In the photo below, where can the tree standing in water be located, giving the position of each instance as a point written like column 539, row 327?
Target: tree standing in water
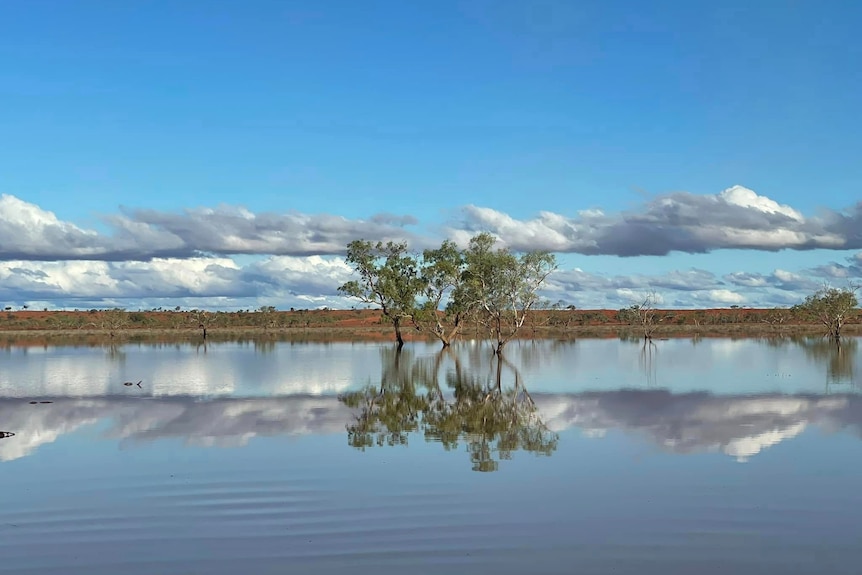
column 831, row 307
column 388, row 277
column 502, row 286
column 442, row 274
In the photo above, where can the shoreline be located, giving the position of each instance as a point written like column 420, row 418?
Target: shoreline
column 49, row 336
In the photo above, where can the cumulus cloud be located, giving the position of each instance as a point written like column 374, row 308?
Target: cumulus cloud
column 294, row 259
column 288, row 280
column 28, row 232
column 303, row 282
column 736, row 218
column 850, row 271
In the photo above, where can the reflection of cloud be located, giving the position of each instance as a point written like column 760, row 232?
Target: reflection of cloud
column 739, row 426
column 218, row 422
column 179, row 370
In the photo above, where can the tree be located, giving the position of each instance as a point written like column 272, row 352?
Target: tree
column 643, row 315
column 268, row 316
column 501, row 286
column 830, row 306
column 204, row 320
column 114, row 319
column 442, row 272
column 388, row 277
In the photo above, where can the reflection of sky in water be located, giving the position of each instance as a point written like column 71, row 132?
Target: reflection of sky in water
column 220, row 369
column 717, row 365
column 237, row 459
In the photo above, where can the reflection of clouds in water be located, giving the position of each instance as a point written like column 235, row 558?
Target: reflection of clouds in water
column 36, row 425
column 738, row 426
column 688, row 423
column 221, row 422
column 182, row 369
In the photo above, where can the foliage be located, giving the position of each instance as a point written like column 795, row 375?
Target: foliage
column 389, row 278
column 442, row 274
column 501, row 286
column 830, row 307
column 492, row 285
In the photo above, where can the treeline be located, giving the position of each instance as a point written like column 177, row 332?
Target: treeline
column 119, row 319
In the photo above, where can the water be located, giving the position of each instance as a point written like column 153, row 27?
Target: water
column 595, row 456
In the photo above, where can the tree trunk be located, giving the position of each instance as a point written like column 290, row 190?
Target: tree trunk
column 396, row 322
column 498, row 351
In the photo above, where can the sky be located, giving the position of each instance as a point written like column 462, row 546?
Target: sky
column 221, row 155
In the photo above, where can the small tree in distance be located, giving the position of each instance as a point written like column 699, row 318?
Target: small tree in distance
column 831, row 307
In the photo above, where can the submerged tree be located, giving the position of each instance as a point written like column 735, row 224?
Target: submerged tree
column 501, row 286
column 389, row 278
column 831, row 307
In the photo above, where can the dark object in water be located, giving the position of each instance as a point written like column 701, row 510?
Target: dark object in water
column 46, row 402
column 33, row 402
column 129, row 383
column 4, row 434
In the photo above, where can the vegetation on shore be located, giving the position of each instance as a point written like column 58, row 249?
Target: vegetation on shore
column 369, row 323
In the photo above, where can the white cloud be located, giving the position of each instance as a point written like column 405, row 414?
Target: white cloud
column 736, row 218
column 725, row 296
column 150, row 257
column 740, row 196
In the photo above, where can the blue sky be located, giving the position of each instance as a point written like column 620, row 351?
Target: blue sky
column 353, row 109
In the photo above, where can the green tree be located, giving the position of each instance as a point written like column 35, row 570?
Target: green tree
column 442, row 273
column 388, row 278
column 831, row 307
column 501, row 286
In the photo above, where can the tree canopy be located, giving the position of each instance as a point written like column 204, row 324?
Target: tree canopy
column 491, row 285
column 388, row 277
column 831, row 307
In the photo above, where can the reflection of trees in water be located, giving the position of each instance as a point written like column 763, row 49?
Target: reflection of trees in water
column 492, row 419
column 116, row 353
column 839, row 357
column 532, row 353
column 648, row 362
column 264, row 346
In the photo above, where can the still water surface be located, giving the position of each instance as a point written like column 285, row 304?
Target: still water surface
column 588, row 456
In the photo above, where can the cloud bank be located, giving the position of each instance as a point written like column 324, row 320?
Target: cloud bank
column 145, row 258
column 736, row 218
